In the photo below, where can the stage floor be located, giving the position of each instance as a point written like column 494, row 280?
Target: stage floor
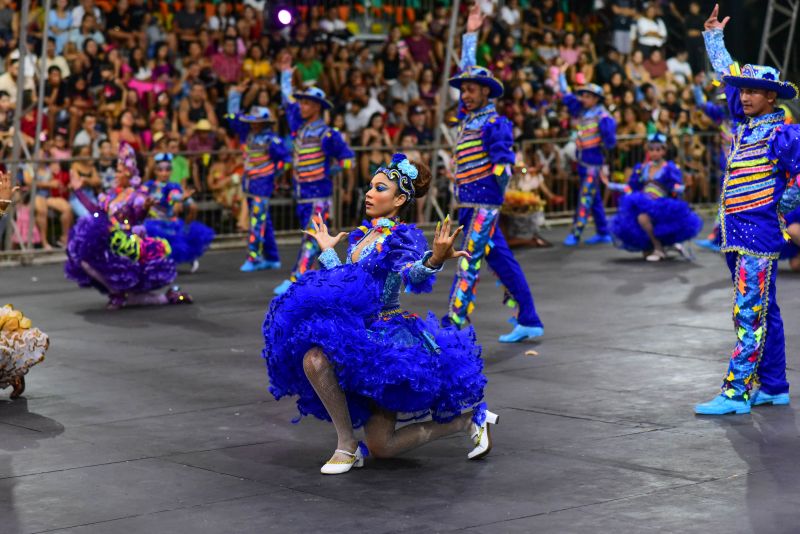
column 158, row 420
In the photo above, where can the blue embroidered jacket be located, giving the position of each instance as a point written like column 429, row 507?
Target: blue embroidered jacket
column 764, row 158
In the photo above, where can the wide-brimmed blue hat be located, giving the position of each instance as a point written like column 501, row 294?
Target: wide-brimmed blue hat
column 481, row 76
column 592, row 89
column 317, row 95
column 257, row 114
column 657, row 138
column 764, row 78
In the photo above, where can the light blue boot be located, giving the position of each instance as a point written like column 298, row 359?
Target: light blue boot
column 761, row 397
column 599, row 239
column 571, row 241
column 521, row 333
column 283, row 287
column 721, row 405
column 249, row 266
column 707, row 244
column 267, row 265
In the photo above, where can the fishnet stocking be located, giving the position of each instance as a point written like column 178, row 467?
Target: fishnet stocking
column 320, row 373
column 384, row 441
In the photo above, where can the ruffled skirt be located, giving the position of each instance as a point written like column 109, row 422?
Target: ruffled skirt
column 21, row 346
column 393, row 360
column 90, row 241
column 187, row 241
column 673, row 222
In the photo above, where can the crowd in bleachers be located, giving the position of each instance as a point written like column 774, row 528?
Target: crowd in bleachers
column 156, row 74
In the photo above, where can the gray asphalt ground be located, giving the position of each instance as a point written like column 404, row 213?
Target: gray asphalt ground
column 158, row 420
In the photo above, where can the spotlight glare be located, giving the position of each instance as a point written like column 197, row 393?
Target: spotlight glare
column 284, row 17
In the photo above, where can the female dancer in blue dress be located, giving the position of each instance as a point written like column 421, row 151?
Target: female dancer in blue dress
column 111, row 250
column 188, row 240
column 339, row 340
column 651, row 216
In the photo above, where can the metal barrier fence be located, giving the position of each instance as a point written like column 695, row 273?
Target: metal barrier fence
column 219, row 202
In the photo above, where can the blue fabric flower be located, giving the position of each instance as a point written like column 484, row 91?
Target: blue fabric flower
column 408, row 169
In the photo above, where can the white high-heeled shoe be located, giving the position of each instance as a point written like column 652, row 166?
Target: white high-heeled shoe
column 481, row 437
column 343, row 466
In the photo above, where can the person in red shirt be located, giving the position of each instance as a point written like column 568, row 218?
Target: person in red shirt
column 227, row 65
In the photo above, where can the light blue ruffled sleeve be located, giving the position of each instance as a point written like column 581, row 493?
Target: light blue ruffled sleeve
column 469, row 50
column 417, row 278
column 329, row 259
column 720, row 59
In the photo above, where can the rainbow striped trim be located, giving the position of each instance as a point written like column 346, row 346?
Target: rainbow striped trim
column 472, row 160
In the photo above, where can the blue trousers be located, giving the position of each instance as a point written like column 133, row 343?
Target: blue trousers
column 309, row 250
column 589, row 202
column 482, row 238
column 760, row 352
column 261, row 244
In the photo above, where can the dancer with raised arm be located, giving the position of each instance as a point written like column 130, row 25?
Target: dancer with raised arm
column 760, row 185
column 339, row 341
column 483, row 157
column 318, row 150
column 265, row 157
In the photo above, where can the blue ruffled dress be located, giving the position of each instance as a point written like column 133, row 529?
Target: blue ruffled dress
column 382, row 355
column 188, row 241
column 673, row 218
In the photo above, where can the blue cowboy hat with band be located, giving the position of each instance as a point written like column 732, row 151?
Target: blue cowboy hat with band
column 317, row 95
column 764, row 78
column 657, row 138
column 257, row 114
column 592, row 89
column 481, row 76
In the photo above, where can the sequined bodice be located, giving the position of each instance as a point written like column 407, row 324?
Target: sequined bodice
column 127, row 207
column 368, row 256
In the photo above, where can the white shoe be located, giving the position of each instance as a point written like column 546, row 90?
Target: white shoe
column 481, row 437
column 195, row 266
column 340, row 467
column 657, row 255
column 684, row 250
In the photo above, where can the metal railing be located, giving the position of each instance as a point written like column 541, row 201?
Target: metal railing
column 224, row 208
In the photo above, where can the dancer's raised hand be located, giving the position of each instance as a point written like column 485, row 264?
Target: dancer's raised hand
column 475, row 18
column 443, row 240
column 320, row 234
column 713, row 23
